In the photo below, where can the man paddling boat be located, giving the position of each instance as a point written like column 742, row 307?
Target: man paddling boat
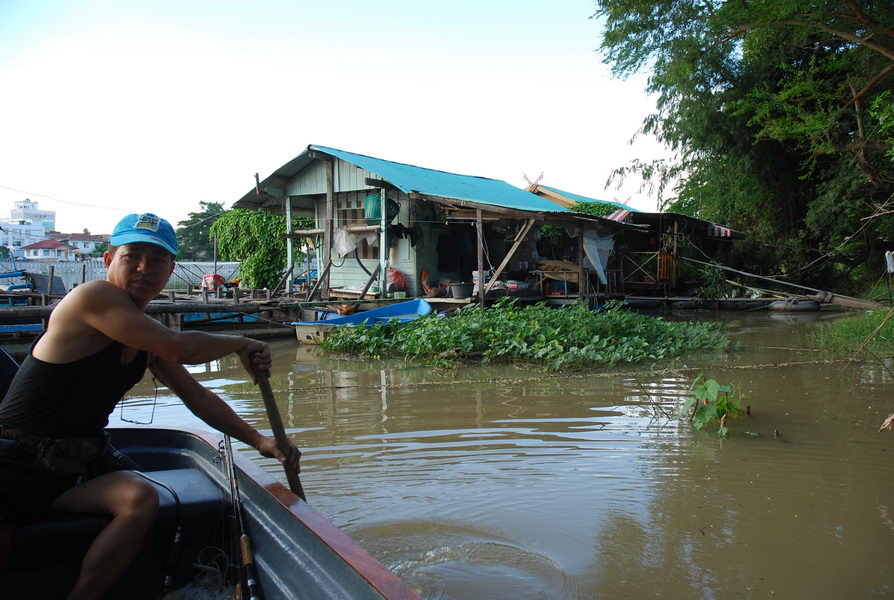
column 97, row 345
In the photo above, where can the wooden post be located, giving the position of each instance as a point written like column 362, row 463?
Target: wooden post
column 205, row 301
column 479, row 225
column 290, row 259
column 84, row 273
column 383, row 246
column 581, row 272
column 171, row 296
column 328, row 226
column 675, row 267
column 50, row 280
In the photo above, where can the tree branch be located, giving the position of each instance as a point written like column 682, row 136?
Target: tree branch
column 862, row 17
column 865, row 89
column 865, row 42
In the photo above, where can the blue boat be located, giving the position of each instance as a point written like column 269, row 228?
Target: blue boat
column 313, row 332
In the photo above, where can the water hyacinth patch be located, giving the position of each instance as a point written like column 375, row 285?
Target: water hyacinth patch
column 570, row 337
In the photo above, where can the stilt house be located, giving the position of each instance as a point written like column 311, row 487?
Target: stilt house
column 437, row 227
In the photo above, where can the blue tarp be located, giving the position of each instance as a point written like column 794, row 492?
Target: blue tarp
column 481, row 190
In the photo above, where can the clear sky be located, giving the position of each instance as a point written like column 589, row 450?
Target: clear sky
column 117, row 106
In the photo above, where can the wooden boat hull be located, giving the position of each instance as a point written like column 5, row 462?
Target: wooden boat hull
column 297, row 551
column 314, row 332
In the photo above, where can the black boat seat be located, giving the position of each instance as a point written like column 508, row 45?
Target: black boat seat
column 62, row 538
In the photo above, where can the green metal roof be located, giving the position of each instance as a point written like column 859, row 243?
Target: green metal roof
column 480, row 190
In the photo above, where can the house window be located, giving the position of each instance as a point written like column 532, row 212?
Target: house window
column 350, row 211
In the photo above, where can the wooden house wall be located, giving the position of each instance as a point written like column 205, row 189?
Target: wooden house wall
column 312, row 179
column 346, row 273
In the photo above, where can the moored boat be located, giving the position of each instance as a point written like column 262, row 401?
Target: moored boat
column 313, row 332
column 298, row 553
column 794, row 305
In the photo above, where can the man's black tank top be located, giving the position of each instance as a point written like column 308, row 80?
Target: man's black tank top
column 69, row 399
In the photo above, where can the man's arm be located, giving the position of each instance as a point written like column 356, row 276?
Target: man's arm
column 108, row 310
column 209, row 407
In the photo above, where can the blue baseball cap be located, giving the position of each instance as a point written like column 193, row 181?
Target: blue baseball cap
column 147, row 228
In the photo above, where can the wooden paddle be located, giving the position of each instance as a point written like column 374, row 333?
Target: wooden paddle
column 279, row 432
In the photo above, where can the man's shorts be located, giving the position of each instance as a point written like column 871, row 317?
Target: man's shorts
column 26, row 488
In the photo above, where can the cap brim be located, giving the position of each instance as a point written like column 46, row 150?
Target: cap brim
column 140, row 238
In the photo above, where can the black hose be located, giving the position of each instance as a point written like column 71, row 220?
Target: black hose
column 359, row 262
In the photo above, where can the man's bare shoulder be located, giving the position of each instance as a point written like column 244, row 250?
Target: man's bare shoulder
column 98, row 293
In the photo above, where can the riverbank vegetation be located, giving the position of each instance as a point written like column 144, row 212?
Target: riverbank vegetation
column 869, row 333
column 573, row 337
column 779, row 114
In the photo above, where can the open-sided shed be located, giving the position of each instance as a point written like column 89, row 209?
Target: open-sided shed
column 646, row 258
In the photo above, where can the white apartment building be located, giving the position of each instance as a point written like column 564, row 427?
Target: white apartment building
column 27, row 211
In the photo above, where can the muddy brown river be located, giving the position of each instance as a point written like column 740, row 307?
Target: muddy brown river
column 509, row 483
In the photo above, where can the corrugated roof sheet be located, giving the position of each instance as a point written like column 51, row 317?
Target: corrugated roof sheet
column 481, row 190
column 579, row 198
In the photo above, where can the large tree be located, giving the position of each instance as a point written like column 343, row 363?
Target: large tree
column 193, row 233
column 766, row 104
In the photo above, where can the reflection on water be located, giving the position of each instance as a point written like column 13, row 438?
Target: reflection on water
column 500, row 482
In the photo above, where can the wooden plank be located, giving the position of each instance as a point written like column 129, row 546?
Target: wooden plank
column 381, row 183
column 372, row 278
column 518, row 240
column 318, row 284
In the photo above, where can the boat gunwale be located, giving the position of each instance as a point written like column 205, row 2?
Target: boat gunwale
column 379, row 577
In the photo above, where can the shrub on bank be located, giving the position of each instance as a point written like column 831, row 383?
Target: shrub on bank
column 572, row 336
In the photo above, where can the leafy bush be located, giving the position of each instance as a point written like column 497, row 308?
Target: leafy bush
column 570, row 337
column 713, row 285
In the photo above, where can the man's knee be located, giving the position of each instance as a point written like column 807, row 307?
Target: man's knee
column 136, row 498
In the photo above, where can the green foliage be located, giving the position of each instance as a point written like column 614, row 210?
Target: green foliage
column 100, row 249
column 777, row 115
column 712, row 403
column 713, row 285
column 597, row 209
column 193, row 234
column 849, row 333
column 553, row 238
column 571, row 337
column 255, row 239
column 883, row 111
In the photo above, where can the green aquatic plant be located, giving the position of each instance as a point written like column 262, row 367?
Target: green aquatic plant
column 570, row 337
column 711, row 402
column 869, row 332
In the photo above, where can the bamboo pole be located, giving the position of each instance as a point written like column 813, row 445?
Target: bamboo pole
column 819, row 295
